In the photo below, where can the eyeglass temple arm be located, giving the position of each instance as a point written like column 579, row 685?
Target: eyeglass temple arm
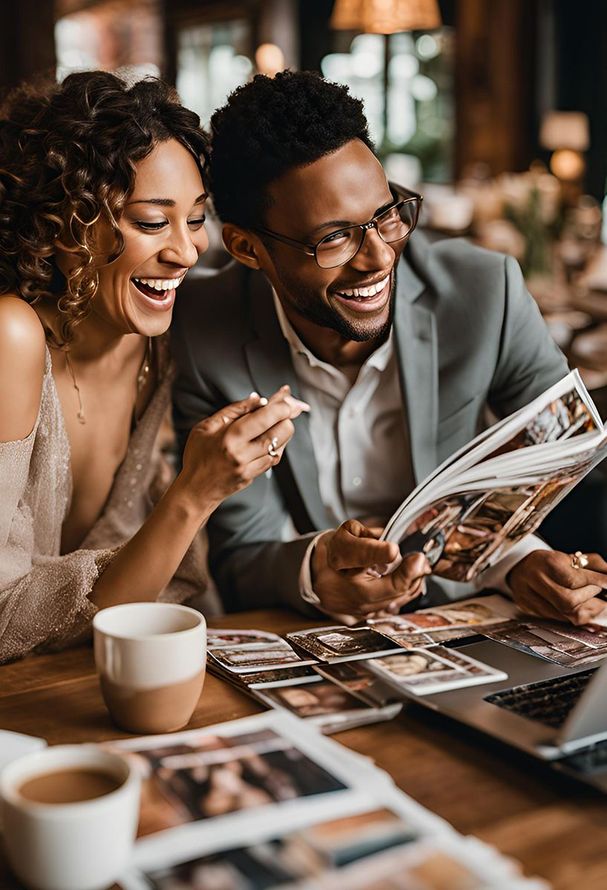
column 306, row 248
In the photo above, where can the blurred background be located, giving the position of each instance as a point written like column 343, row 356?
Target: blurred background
column 494, row 109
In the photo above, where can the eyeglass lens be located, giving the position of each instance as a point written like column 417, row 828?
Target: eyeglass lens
column 393, row 225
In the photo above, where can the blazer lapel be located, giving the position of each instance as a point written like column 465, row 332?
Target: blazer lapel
column 270, row 365
column 416, row 343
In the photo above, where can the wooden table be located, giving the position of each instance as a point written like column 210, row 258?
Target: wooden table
column 555, row 827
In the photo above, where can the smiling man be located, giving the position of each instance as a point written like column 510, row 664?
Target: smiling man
column 397, row 344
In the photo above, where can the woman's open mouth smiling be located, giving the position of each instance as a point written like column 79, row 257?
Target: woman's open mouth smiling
column 158, row 293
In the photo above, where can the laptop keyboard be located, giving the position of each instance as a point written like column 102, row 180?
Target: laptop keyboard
column 548, row 701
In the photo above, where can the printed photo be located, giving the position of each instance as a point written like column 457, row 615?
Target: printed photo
column 218, row 775
column 255, row 656
column 413, row 668
column 465, row 532
column 333, row 643
column 301, row 855
column 557, row 646
column 401, row 632
column 356, row 677
column 279, row 676
column 466, row 613
column 312, row 699
column 218, row 638
column 419, row 866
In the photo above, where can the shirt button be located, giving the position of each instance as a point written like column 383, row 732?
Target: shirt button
column 356, row 481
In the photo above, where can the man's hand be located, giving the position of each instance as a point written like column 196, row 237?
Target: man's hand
column 545, row 583
column 344, row 575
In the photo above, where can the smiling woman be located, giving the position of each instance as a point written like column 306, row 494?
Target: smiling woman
column 101, row 216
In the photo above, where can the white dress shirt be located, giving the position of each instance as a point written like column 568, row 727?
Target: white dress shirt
column 362, row 450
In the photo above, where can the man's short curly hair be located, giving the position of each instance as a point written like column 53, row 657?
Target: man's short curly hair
column 68, row 156
column 271, row 125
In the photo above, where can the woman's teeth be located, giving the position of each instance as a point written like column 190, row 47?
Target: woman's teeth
column 158, row 287
column 362, row 293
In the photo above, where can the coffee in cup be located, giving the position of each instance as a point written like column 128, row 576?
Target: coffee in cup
column 70, row 817
column 151, row 661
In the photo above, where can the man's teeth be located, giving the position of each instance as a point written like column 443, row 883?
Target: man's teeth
column 366, row 291
column 160, row 284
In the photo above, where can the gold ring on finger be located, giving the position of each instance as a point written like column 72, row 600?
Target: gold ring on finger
column 272, row 445
column 579, row 560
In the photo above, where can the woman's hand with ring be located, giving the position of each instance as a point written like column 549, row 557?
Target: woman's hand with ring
column 226, row 451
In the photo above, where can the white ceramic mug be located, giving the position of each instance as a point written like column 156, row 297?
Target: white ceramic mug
column 70, row 846
column 151, row 660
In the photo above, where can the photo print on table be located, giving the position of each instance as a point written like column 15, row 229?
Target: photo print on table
column 357, row 678
column 550, row 641
column 218, row 638
column 313, row 699
column 256, row 656
column 339, row 643
column 470, row 613
column 301, row 855
column 425, row 671
column 212, row 775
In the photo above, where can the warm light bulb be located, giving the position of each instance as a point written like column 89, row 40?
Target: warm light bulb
column 269, row 59
column 567, row 164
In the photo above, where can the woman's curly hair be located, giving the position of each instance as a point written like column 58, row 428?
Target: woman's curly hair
column 68, row 155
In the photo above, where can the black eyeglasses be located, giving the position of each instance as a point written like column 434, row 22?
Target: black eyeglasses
column 394, row 223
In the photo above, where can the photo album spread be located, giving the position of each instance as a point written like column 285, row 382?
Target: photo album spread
column 500, row 486
column 267, row 802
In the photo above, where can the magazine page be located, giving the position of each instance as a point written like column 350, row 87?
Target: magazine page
column 464, row 532
column 550, row 422
column 377, row 847
column 303, row 812
column 267, row 802
column 200, row 787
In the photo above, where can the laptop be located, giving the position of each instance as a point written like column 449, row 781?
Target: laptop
column 554, row 713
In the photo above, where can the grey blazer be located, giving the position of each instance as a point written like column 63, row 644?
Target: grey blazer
column 468, row 335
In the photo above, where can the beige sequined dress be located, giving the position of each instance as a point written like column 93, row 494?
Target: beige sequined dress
column 44, row 596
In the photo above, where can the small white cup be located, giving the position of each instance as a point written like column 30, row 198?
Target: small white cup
column 151, row 660
column 69, row 846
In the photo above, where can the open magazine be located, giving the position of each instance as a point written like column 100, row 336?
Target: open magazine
column 266, row 802
column 498, row 488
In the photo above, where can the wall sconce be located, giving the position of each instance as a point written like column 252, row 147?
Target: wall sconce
column 566, row 134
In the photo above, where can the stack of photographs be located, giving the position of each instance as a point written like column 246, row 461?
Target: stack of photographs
column 553, row 641
column 248, row 651
column 459, row 621
column 339, row 677
column 267, row 668
column 337, row 643
column 266, row 802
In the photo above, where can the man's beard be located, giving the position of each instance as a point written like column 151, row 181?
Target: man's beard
column 320, row 313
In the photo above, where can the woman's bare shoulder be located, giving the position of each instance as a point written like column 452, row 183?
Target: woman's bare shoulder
column 22, row 363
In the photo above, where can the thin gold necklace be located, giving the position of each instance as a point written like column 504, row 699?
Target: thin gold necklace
column 142, row 376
